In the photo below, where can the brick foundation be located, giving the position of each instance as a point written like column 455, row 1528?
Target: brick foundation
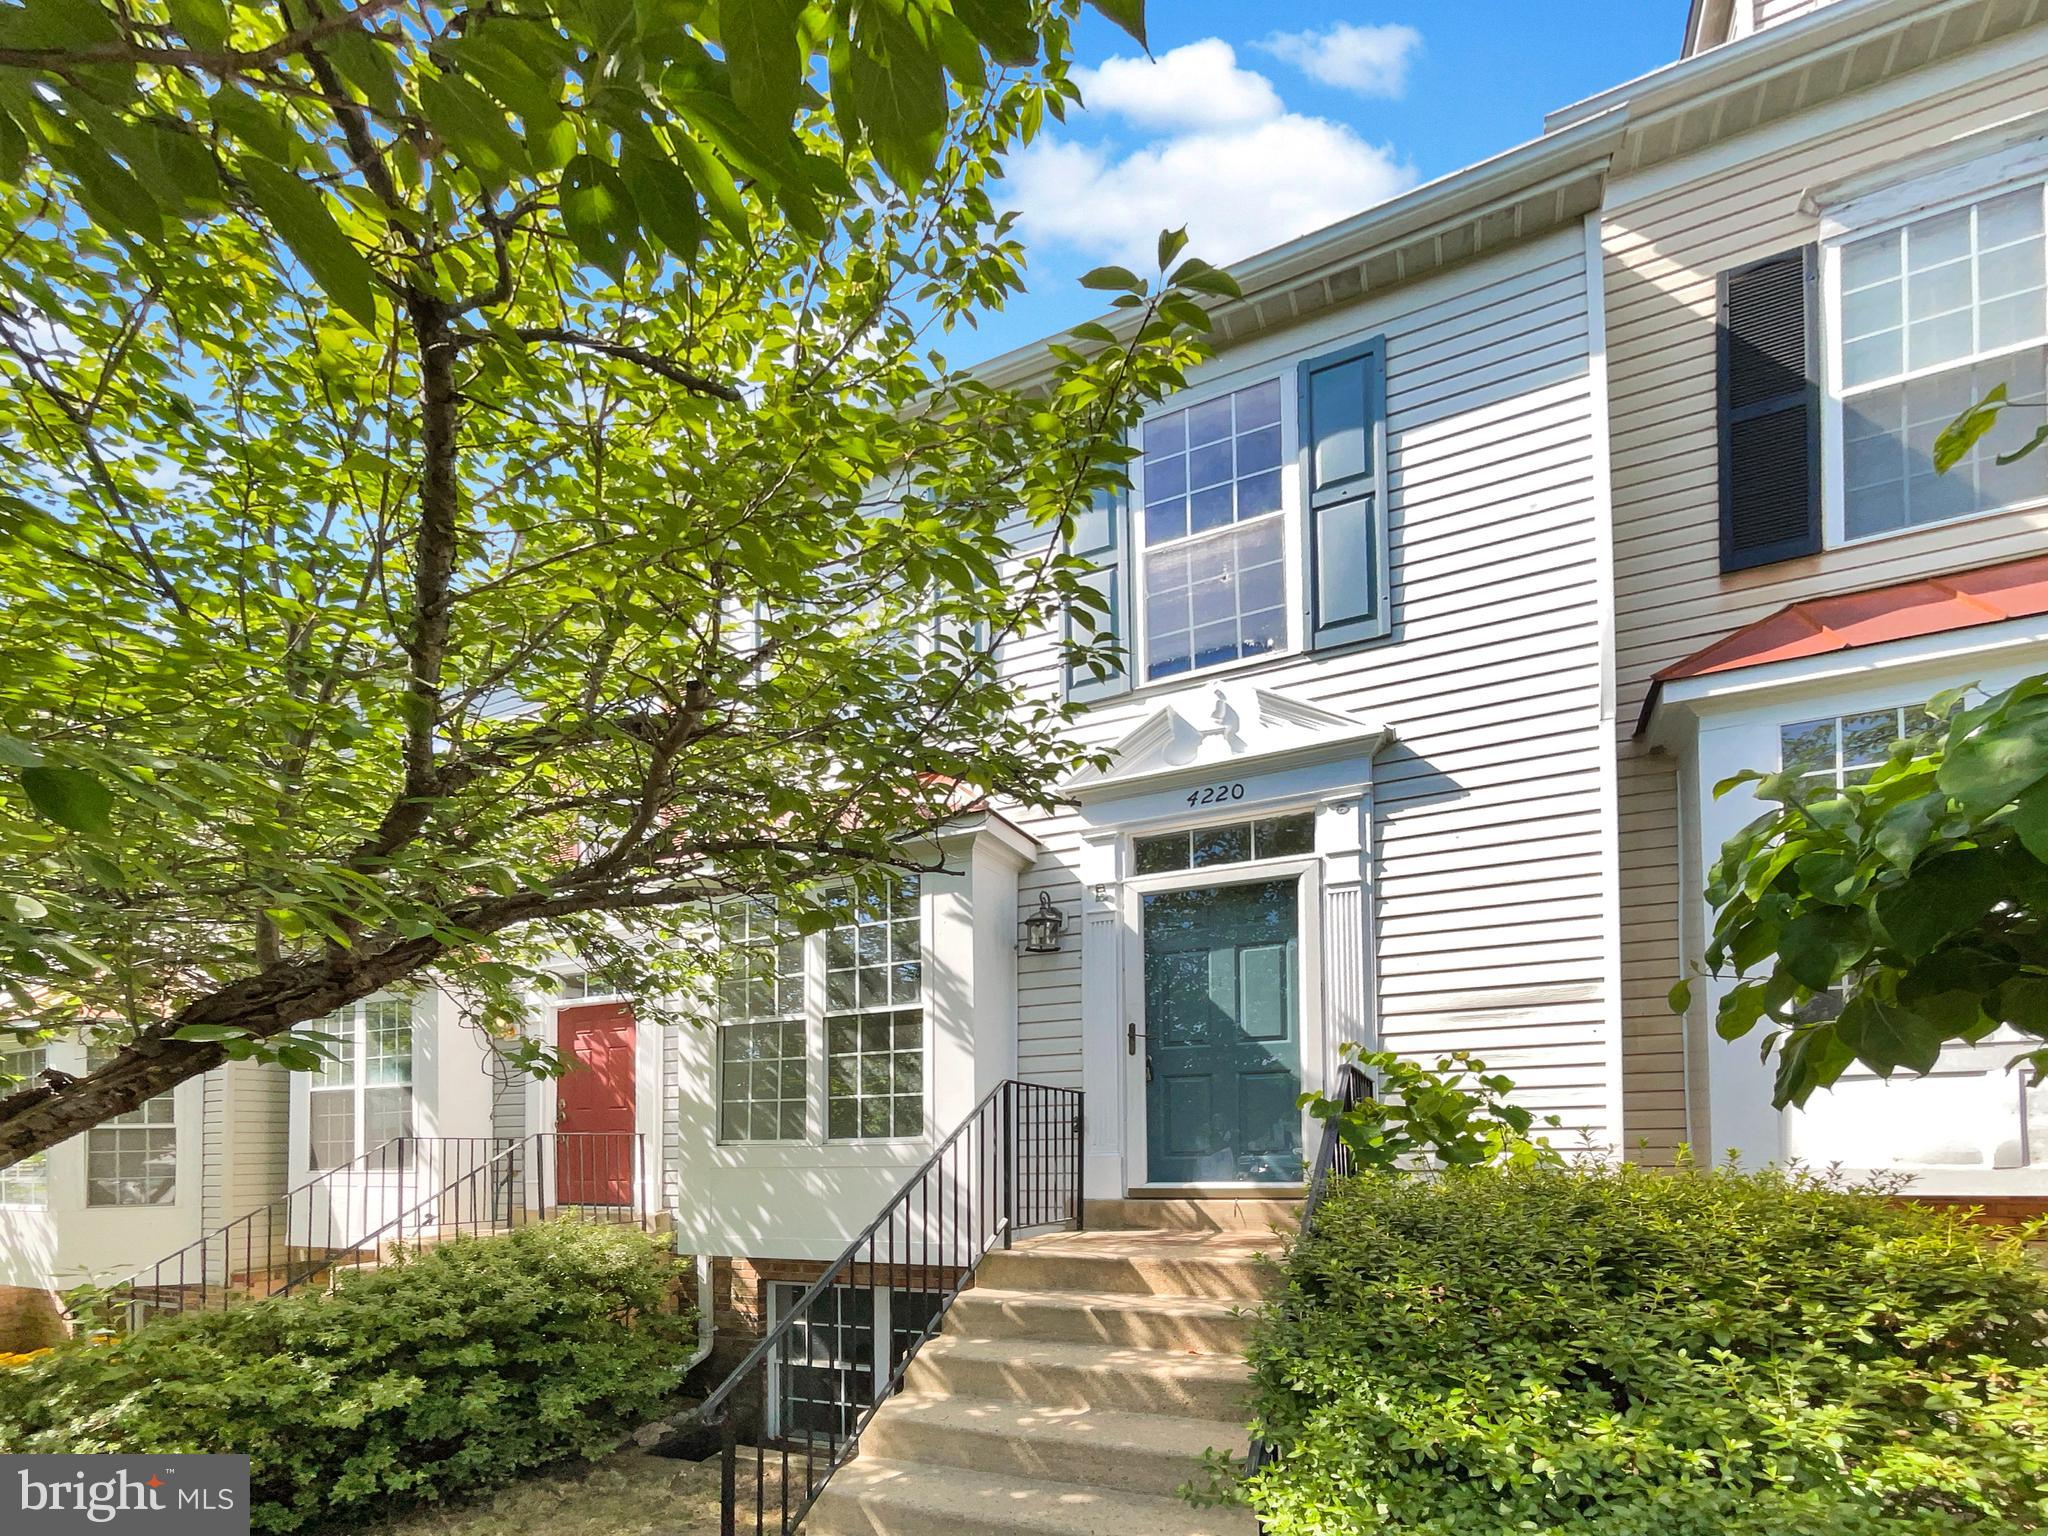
column 29, row 1319
column 1992, row 1210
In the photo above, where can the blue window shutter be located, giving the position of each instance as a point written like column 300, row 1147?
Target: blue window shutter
column 1102, row 534
column 1344, row 494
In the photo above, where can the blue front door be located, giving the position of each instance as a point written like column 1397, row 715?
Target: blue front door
column 1222, row 983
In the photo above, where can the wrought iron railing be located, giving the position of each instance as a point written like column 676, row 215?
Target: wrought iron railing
column 410, row 1190
column 1333, row 1160
column 803, row 1395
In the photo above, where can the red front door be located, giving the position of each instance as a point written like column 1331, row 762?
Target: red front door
column 594, row 1105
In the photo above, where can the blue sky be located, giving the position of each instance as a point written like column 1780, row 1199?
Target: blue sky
column 1258, row 120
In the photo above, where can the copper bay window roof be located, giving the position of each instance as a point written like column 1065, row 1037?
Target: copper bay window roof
column 1904, row 610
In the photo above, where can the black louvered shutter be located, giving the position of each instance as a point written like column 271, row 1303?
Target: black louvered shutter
column 1770, row 410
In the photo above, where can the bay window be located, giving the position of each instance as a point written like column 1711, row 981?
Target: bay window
column 25, row 1183
column 362, row 1097
column 1930, row 317
column 132, row 1158
column 850, row 997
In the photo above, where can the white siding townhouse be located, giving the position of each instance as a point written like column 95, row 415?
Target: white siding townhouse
column 1510, row 515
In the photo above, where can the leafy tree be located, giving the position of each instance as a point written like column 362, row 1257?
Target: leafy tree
column 481, row 476
column 1879, row 921
column 1453, row 1115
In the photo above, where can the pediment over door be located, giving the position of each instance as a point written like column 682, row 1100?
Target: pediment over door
column 1227, row 732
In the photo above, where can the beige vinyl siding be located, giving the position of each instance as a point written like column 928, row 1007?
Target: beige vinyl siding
column 1663, row 252
column 1492, row 923
column 1769, row 13
column 243, row 1139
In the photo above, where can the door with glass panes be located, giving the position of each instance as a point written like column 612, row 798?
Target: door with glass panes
column 1221, row 914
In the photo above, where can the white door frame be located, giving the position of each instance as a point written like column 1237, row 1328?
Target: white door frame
column 1307, row 872
column 542, row 1094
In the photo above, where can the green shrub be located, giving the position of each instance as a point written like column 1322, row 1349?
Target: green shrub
column 1636, row 1353
column 452, row 1371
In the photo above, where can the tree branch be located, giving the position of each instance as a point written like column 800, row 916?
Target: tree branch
column 675, row 373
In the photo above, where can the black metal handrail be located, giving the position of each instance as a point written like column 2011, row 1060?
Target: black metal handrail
column 416, row 1188
column 1333, row 1160
column 1012, row 1165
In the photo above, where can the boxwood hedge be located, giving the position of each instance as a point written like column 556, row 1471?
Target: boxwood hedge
column 1636, row 1353
column 452, row 1371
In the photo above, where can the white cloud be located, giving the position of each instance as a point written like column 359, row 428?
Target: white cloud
column 1196, row 86
column 1239, row 190
column 1371, row 60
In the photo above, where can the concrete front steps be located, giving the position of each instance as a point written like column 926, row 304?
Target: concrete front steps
column 1075, row 1387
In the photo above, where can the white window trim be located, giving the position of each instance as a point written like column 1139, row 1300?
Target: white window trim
column 1879, row 213
column 359, row 1045
column 817, row 1066
column 1286, row 375
column 39, row 1161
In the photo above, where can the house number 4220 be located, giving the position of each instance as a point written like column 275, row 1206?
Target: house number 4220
column 1215, row 794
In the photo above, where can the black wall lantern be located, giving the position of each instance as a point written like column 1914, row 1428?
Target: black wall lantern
column 1042, row 928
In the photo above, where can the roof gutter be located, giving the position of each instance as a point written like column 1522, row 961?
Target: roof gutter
column 1504, row 176
column 1791, row 44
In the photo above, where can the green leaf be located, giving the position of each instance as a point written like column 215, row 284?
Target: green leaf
column 1903, row 831
column 2029, row 446
column 665, row 200
column 1886, row 1035
column 22, row 909
column 1819, row 944
column 899, row 93
column 202, row 23
column 1171, row 243
column 764, row 57
column 1113, row 278
column 209, row 1033
column 247, row 123
column 1940, row 898
column 1962, row 434
column 1814, row 1057
column 16, row 753
column 1203, row 278
column 1679, row 998
column 70, row 797
column 366, row 64
column 2030, row 820
column 1128, row 14
column 1003, row 27
column 597, row 212
column 299, row 215
column 1991, row 768
column 535, row 98
column 474, row 127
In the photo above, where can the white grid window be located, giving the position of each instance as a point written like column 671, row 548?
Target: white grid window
column 28, row 1181
column 874, row 1028
column 1932, row 316
column 1844, row 749
column 763, row 1081
column 1214, row 573
column 132, row 1158
column 362, row 1098
column 867, row 969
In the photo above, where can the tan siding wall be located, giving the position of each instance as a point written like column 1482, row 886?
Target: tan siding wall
column 244, row 1140
column 1488, row 931
column 1663, row 252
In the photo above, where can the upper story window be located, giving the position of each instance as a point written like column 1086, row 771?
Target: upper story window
column 362, row 1097
column 1930, row 316
column 1215, row 583
column 1258, row 526
column 132, row 1158
column 26, row 1182
column 850, row 997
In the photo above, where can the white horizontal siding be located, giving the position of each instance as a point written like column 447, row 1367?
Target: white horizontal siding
column 1490, row 921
